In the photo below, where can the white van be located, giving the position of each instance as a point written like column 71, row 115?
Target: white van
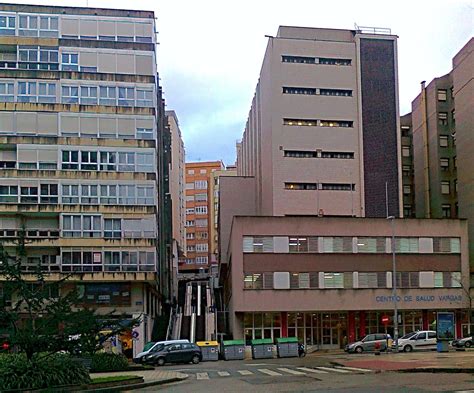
column 424, row 339
column 152, row 346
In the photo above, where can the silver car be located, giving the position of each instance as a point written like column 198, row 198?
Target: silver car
column 369, row 343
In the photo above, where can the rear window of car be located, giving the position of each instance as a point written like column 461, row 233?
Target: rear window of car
column 380, row 337
column 431, row 334
column 187, row 346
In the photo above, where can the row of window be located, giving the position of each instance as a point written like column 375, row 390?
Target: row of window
column 347, row 244
column 197, row 235
column 199, row 247
column 318, row 154
column 108, row 161
column 46, row 92
column 318, row 123
column 199, row 260
column 197, row 210
column 196, row 197
column 200, row 223
column 34, row 25
column 197, row 185
column 316, row 91
column 84, row 194
column 315, row 60
column 320, row 186
column 350, row 280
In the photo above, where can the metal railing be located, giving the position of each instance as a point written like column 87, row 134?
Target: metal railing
column 372, row 30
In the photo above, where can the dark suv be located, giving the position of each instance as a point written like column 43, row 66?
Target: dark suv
column 175, row 353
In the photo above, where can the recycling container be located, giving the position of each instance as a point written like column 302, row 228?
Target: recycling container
column 262, row 348
column 233, row 349
column 287, row 347
column 209, row 350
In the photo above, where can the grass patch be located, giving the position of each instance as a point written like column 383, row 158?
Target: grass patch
column 116, row 378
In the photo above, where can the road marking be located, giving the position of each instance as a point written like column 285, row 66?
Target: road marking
column 202, row 376
column 223, row 373
column 333, row 369
column 269, row 372
column 312, row 370
column 245, row 372
column 365, row 370
column 464, row 391
column 290, row 371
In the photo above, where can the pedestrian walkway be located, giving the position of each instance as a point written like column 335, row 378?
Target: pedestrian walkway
column 159, row 376
column 279, row 372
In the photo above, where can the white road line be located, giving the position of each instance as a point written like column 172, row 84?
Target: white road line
column 223, row 373
column 333, row 369
column 312, row 370
column 290, row 371
column 202, row 376
column 245, row 372
column 269, row 372
column 365, row 370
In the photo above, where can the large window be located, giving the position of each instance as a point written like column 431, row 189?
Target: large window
column 49, row 193
column 333, row 280
column 28, row 194
column 70, row 94
column 82, row 226
column 89, row 95
column 258, row 244
column 126, row 96
column 303, row 244
column 70, row 62
column 144, row 97
column 70, row 159
column 7, row 92
column 408, row 280
column 406, row 245
column 113, row 228
column 27, row 92
column 89, row 194
column 107, row 95
column 108, row 194
column 109, row 293
column 7, row 25
column 70, row 194
column 372, row 280
column 8, row 194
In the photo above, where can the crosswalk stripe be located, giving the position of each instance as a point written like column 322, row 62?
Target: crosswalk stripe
column 269, row 372
column 312, row 370
column 245, row 372
column 202, row 376
column 338, row 370
column 365, row 370
column 223, row 373
column 290, row 371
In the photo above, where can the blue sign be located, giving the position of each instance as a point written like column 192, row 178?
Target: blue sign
column 445, row 327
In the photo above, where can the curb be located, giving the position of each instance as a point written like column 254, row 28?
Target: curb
column 140, row 385
column 436, row 370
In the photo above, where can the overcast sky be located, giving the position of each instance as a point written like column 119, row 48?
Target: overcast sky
column 210, row 52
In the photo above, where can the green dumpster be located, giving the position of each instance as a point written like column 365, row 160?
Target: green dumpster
column 233, row 349
column 262, row 348
column 287, row 347
column 209, row 350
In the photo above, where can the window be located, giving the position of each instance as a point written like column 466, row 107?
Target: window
column 113, row 228
column 443, row 118
column 335, row 123
column 337, row 244
column 144, row 133
column 445, row 189
column 405, row 131
column 301, row 186
column 26, row 91
column 145, row 195
column 7, row 25
column 28, row 194
column 47, row 92
column 299, row 90
column 89, row 194
column 200, row 197
column 190, row 210
column 108, row 194
column 329, row 61
column 8, row 194
column 335, row 92
column 144, row 97
column 91, row 226
column 190, row 171
column 298, row 59
column 253, row 281
column 126, row 194
column 369, row 280
column 406, row 189
column 89, row 95
column 70, row 194
column 303, row 244
column 407, row 211
column 408, row 280
column 28, row 26
column 70, row 94
column 446, row 245
column 89, row 160
column 201, row 210
column 108, row 161
column 446, row 209
column 126, row 162
column 337, row 187
column 189, row 223
column 333, row 280
column 300, row 122
column 371, row 244
column 48, row 58
column 7, row 92
column 107, row 95
column 444, row 163
column 145, row 162
column 442, row 94
column 201, row 247
column 201, row 223
column 300, row 154
column 48, row 26
column 336, row 154
column 126, row 96
column 406, row 245
column 258, row 244
column 406, row 151
column 48, row 193
column 200, row 260
column 70, row 62
column 112, row 261
column 406, row 170
column 200, row 184
column 202, row 235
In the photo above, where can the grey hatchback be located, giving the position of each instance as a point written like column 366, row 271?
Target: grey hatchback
column 371, row 342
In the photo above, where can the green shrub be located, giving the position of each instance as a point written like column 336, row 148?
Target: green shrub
column 103, row 362
column 41, row 372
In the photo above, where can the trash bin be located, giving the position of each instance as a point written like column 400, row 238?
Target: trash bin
column 287, row 347
column 209, row 350
column 262, row 348
column 233, row 349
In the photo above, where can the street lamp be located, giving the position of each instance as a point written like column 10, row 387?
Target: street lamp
column 394, row 285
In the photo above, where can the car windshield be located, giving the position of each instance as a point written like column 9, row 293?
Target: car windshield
column 408, row 335
column 148, row 346
column 158, row 348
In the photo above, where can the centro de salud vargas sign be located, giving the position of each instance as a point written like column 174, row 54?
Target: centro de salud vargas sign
column 420, row 299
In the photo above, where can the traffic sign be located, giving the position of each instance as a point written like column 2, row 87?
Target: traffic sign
column 385, row 319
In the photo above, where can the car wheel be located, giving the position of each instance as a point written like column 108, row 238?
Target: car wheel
column 408, row 348
column 195, row 359
column 359, row 349
column 468, row 344
column 160, row 362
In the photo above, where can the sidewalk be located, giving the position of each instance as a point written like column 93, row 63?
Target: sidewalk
column 150, row 377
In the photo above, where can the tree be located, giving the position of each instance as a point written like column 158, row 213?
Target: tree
column 41, row 317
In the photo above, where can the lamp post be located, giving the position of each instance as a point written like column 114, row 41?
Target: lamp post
column 394, row 285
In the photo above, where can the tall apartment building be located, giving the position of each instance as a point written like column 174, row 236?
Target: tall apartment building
column 198, row 216
column 322, row 133
column 408, row 183
column 177, row 184
column 83, row 153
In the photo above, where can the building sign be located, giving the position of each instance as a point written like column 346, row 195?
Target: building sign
column 445, row 326
column 420, row 299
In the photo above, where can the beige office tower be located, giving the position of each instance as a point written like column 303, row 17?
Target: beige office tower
column 80, row 140
column 322, row 133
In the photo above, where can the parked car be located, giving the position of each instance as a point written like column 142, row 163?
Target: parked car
column 369, row 343
column 465, row 342
column 154, row 346
column 424, row 339
column 174, row 353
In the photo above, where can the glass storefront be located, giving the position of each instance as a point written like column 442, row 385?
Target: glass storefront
column 262, row 325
